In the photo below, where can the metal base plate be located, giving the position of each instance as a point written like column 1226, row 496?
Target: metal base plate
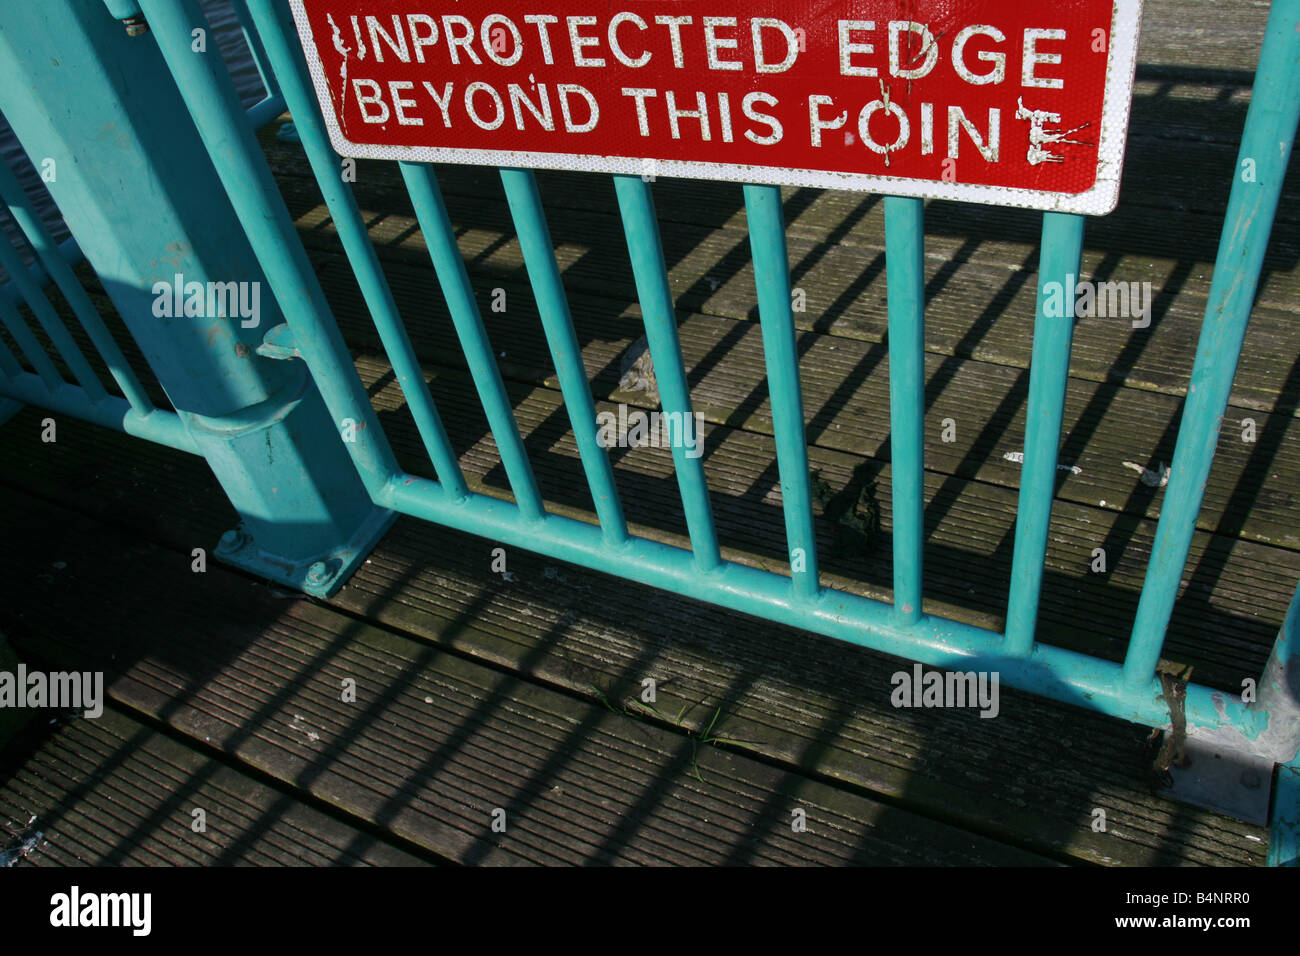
column 320, row 575
column 1226, row 781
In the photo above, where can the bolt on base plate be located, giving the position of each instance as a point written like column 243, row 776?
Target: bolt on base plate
column 320, row 575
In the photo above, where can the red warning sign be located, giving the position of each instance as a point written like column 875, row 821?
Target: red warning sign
column 995, row 101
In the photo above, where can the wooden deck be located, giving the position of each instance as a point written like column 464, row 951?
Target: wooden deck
column 477, row 692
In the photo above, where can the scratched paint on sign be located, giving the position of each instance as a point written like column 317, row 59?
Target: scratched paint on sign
column 992, row 101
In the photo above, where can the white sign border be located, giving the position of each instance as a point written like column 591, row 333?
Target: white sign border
column 1100, row 199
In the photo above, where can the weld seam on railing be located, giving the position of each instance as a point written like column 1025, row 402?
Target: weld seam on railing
column 938, row 642
column 1266, row 143
column 905, row 289
column 66, row 281
column 228, row 137
column 1049, row 371
column 295, row 86
column 49, row 320
column 776, row 318
column 27, row 342
column 265, row 110
column 552, row 304
column 646, row 252
column 431, row 215
column 159, row 426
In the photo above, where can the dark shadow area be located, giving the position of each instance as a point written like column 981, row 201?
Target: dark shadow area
column 464, row 708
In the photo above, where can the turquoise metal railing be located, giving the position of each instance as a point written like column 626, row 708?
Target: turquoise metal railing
column 642, row 230
column 905, row 259
column 1269, row 726
column 44, row 386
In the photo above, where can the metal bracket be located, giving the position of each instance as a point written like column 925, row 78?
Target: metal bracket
column 321, row 575
column 1226, row 781
column 278, row 343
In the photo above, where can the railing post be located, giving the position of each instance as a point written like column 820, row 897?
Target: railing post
column 1049, row 373
column 1266, row 143
column 137, row 188
column 905, row 288
column 781, row 357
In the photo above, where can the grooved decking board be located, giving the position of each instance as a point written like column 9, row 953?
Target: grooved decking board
column 109, row 791
column 435, row 742
column 1223, row 35
column 846, row 398
column 1034, row 775
column 1233, row 602
column 1151, row 244
column 845, row 386
column 583, row 630
column 973, row 310
column 835, row 237
column 815, row 703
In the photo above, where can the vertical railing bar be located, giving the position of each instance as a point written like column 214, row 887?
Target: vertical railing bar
column 8, row 364
column 67, row 249
column 646, row 252
column 905, row 285
column 224, row 128
column 58, row 269
column 22, row 335
column 776, row 317
column 1266, row 143
column 544, row 274
column 1049, row 372
column 431, row 214
column 295, row 85
column 257, row 50
column 51, row 323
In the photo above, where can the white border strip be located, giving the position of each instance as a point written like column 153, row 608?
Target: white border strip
column 1101, row 198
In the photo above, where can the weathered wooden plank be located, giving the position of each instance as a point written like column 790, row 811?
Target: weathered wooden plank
column 1225, row 624
column 109, row 791
column 979, row 311
column 402, row 586
column 845, row 386
column 1174, row 252
column 434, row 742
column 1224, row 35
column 767, row 668
column 811, row 702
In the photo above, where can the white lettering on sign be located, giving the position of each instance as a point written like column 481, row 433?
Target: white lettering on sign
column 983, row 100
